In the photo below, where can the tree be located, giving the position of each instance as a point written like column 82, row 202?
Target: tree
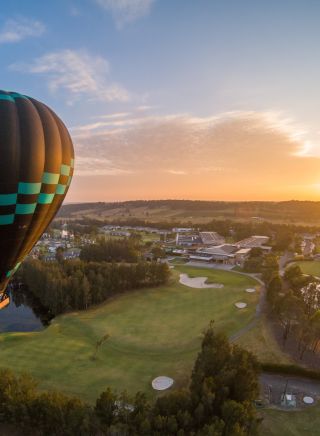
column 158, row 252
column 270, row 267
column 59, row 254
column 289, row 312
column 222, row 373
column 98, row 345
column 273, row 289
column 310, row 294
column 106, row 407
column 292, row 272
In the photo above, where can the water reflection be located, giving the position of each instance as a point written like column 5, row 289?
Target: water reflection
column 24, row 313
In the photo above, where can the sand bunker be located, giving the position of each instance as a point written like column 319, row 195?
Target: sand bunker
column 250, row 290
column 241, row 305
column 161, row 383
column 197, row 282
column 308, row 400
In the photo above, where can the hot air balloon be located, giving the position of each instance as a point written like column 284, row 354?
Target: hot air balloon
column 36, row 168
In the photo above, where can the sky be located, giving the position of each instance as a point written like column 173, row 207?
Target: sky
column 184, row 99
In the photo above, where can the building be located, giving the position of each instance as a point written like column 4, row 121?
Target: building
column 119, row 233
column 228, row 254
column 253, row 242
column 182, row 229
column 241, row 256
column 186, row 240
column 217, row 254
column 307, row 247
column 211, row 238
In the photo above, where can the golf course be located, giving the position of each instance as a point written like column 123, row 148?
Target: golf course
column 311, row 267
column 147, row 333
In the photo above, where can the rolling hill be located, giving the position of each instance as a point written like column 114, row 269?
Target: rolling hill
column 187, row 211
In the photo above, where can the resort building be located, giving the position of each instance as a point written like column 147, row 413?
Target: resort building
column 211, row 238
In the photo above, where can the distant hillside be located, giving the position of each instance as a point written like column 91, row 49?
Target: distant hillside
column 184, row 211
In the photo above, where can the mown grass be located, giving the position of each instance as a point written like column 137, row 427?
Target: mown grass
column 309, row 267
column 291, row 423
column 152, row 332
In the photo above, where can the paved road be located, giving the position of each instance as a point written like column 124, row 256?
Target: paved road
column 284, row 259
column 273, row 385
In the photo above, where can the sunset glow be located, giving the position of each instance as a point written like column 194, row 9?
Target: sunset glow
column 172, row 100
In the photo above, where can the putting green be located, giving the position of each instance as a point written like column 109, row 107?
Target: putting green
column 152, row 332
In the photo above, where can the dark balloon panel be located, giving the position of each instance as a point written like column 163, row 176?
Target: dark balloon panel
column 36, row 168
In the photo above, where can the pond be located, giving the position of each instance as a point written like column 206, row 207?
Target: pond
column 24, row 313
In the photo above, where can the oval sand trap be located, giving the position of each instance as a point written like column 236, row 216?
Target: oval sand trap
column 161, row 383
column 241, row 305
column 250, row 290
column 308, row 400
column 197, row 282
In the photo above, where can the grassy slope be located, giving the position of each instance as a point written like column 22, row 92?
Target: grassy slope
column 261, row 342
column 153, row 332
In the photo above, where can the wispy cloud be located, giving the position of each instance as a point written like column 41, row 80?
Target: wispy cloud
column 113, row 116
column 126, row 11
column 91, row 166
column 176, row 172
column 78, row 74
column 16, row 30
column 234, row 155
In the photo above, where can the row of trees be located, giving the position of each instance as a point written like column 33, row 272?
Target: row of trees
column 265, row 264
column 74, row 284
column 296, row 304
column 112, row 250
column 219, row 402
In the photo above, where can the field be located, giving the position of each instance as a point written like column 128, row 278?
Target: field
column 309, row 267
column 292, row 423
column 152, row 332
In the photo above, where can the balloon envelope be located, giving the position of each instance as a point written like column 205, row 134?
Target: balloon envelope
column 36, row 168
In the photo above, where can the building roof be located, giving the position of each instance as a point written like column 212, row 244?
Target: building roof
column 211, row 238
column 203, row 256
column 253, row 241
column 243, row 251
column 220, row 250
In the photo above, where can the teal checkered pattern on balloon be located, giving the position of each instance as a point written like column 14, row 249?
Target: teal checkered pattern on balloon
column 27, row 188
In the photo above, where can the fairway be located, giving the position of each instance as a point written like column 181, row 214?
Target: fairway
column 311, row 267
column 152, row 332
